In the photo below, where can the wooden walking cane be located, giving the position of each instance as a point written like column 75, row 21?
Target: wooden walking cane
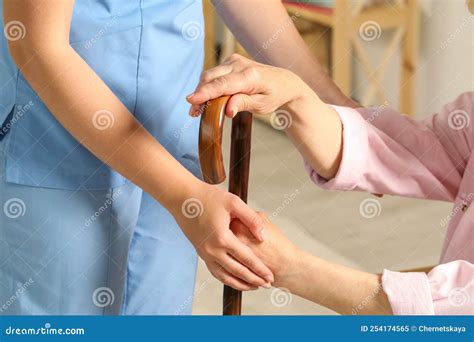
column 212, row 165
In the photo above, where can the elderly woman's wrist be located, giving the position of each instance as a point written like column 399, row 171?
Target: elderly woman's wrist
column 301, row 107
column 292, row 273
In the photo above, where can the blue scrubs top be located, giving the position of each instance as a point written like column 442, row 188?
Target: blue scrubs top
column 150, row 54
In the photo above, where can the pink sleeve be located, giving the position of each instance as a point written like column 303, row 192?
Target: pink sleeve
column 389, row 153
column 447, row 290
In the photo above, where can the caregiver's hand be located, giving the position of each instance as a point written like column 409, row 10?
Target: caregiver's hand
column 205, row 219
column 254, row 87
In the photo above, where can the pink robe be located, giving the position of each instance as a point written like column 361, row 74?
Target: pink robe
column 388, row 153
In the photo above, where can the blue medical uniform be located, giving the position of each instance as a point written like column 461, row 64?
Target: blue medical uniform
column 83, row 238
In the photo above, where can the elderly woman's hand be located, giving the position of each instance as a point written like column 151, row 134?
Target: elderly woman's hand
column 277, row 251
column 254, row 87
column 337, row 287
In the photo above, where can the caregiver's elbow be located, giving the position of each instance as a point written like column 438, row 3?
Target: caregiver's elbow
column 27, row 50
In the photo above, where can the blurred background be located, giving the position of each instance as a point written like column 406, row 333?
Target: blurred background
column 413, row 55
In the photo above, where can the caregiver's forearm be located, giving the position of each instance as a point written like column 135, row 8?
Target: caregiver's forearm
column 316, row 131
column 268, row 33
column 339, row 288
column 79, row 100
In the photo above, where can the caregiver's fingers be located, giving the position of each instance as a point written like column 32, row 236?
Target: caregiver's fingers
column 248, row 258
column 240, row 231
column 228, row 279
column 252, row 220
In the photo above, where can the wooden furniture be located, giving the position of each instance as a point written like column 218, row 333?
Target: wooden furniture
column 352, row 24
column 212, row 165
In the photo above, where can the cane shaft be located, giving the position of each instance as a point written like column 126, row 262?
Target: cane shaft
column 212, row 165
column 238, row 185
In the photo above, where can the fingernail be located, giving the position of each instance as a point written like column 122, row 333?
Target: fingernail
column 233, row 111
column 263, row 234
column 269, row 279
column 190, row 95
column 267, row 286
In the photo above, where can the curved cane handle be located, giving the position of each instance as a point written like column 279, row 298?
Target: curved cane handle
column 210, row 141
